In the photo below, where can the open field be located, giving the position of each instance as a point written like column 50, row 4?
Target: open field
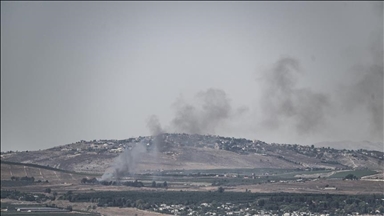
column 42, row 173
column 357, row 173
column 237, row 181
column 256, row 179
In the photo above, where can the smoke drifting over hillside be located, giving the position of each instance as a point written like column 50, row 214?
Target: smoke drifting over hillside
column 205, row 114
column 125, row 163
column 285, row 104
column 366, row 90
column 154, row 126
column 283, row 100
column 212, row 108
column 367, row 94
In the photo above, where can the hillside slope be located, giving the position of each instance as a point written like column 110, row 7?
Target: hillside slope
column 39, row 173
column 184, row 151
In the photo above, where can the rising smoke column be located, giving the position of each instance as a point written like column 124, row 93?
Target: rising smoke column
column 126, row 163
column 154, row 126
column 158, row 135
column 212, row 107
column 283, row 101
column 365, row 91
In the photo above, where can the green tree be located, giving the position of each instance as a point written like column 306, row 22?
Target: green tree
column 381, row 209
column 261, row 202
column 350, row 177
column 84, row 180
column 220, row 189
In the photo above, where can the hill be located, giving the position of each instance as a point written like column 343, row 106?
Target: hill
column 185, row 151
column 352, row 145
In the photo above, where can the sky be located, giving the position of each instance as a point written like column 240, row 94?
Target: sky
column 284, row 72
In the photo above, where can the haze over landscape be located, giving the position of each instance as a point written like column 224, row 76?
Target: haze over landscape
column 285, row 72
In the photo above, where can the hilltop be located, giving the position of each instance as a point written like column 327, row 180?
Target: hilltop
column 186, row 151
column 157, row 173
column 353, row 145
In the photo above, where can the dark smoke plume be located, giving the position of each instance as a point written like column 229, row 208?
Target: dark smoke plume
column 283, row 101
column 157, row 133
column 154, row 126
column 366, row 91
column 212, row 108
column 126, row 163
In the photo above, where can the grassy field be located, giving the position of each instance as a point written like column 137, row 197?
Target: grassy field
column 357, row 173
column 182, row 177
column 240, row 171
column 293, row 174
column 265, row 175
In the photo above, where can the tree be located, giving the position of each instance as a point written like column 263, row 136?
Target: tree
column 351, row 177
column 381, row 209
column 220, row 189
column 165, row 184
column 261, row 202
column 69, row 208
column 153, row 184
column 47, row 190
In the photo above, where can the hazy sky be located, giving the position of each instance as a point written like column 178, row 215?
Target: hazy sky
column 288, row 72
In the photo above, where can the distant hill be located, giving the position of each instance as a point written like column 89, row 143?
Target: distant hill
column 353, row 145
column 186, row 151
